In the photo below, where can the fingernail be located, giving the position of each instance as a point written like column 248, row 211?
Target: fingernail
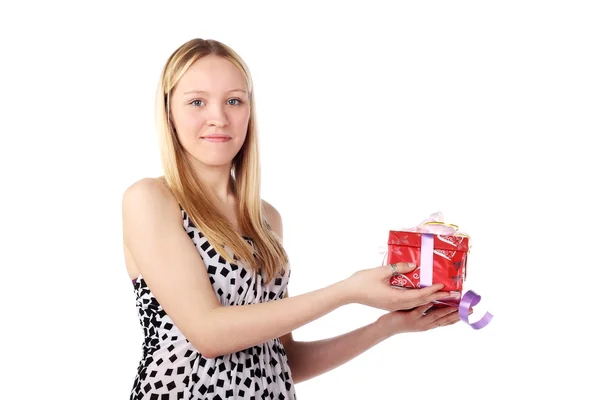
column 427, row 309
column 455, row 295
column 411, row 265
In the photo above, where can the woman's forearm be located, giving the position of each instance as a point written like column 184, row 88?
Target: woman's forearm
column 310, row 359
column 248, row 325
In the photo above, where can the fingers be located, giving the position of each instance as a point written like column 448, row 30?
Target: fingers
column 446, row 316
column 433, row 289
column 433, row 293
column 440, row 317
column 400, row 268
column 422, row 310
column 441, row 312
column 448, row 319
column 411, row 298
column 446, row 295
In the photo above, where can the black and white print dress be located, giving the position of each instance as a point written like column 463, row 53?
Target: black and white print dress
column 171, row 368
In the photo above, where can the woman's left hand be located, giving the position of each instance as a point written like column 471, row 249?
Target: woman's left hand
column 419, row 319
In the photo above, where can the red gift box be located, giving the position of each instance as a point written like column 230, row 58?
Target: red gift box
column 440, row 258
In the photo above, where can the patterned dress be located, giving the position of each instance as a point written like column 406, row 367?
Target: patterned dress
column 171, row 368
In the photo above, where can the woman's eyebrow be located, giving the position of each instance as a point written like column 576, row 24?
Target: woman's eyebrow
column 205, row 92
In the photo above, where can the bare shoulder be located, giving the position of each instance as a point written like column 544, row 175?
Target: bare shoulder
column 273, row 217
column 149, row 198
column 153, row 189
column 148, row 190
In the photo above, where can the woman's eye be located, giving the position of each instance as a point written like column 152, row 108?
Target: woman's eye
column 197, row 103
column 232, row 102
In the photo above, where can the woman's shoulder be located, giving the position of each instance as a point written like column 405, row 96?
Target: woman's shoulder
column 152, row 194
column 149, row 186
column 273, row 217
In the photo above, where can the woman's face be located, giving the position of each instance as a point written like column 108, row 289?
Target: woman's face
column 211, row 98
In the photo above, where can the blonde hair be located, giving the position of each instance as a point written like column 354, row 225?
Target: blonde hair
column 245, row 180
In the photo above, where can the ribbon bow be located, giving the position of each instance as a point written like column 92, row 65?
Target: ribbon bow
column 435, row 224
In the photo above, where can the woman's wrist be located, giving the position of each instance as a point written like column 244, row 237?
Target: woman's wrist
column 347, row 291
column 386, row 326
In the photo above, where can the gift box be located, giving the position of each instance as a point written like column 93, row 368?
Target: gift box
column 440, row 252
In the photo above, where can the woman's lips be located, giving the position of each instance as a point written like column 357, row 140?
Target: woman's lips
column 217, row 139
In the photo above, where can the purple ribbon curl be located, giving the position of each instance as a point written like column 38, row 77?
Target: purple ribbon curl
column 469, row 300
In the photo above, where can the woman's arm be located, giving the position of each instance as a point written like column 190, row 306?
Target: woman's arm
column 310, row 359
column 174, row 271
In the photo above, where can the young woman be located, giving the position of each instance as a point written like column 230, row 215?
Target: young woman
column 206, row 255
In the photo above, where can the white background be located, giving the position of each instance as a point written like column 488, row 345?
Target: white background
column 371, row 116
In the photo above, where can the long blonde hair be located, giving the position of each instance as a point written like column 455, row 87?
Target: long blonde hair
column 245, row 180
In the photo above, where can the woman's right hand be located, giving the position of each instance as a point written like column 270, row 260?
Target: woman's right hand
column 371, row 287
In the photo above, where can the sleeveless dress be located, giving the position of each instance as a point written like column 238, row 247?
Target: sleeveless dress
column 172, row 368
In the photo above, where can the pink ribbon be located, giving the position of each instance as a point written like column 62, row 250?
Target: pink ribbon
column 426, row 227
column 426, row 275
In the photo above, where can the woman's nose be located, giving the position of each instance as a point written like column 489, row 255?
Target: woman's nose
column 217, row 116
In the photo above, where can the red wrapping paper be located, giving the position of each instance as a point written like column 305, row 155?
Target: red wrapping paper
column 449, row 260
